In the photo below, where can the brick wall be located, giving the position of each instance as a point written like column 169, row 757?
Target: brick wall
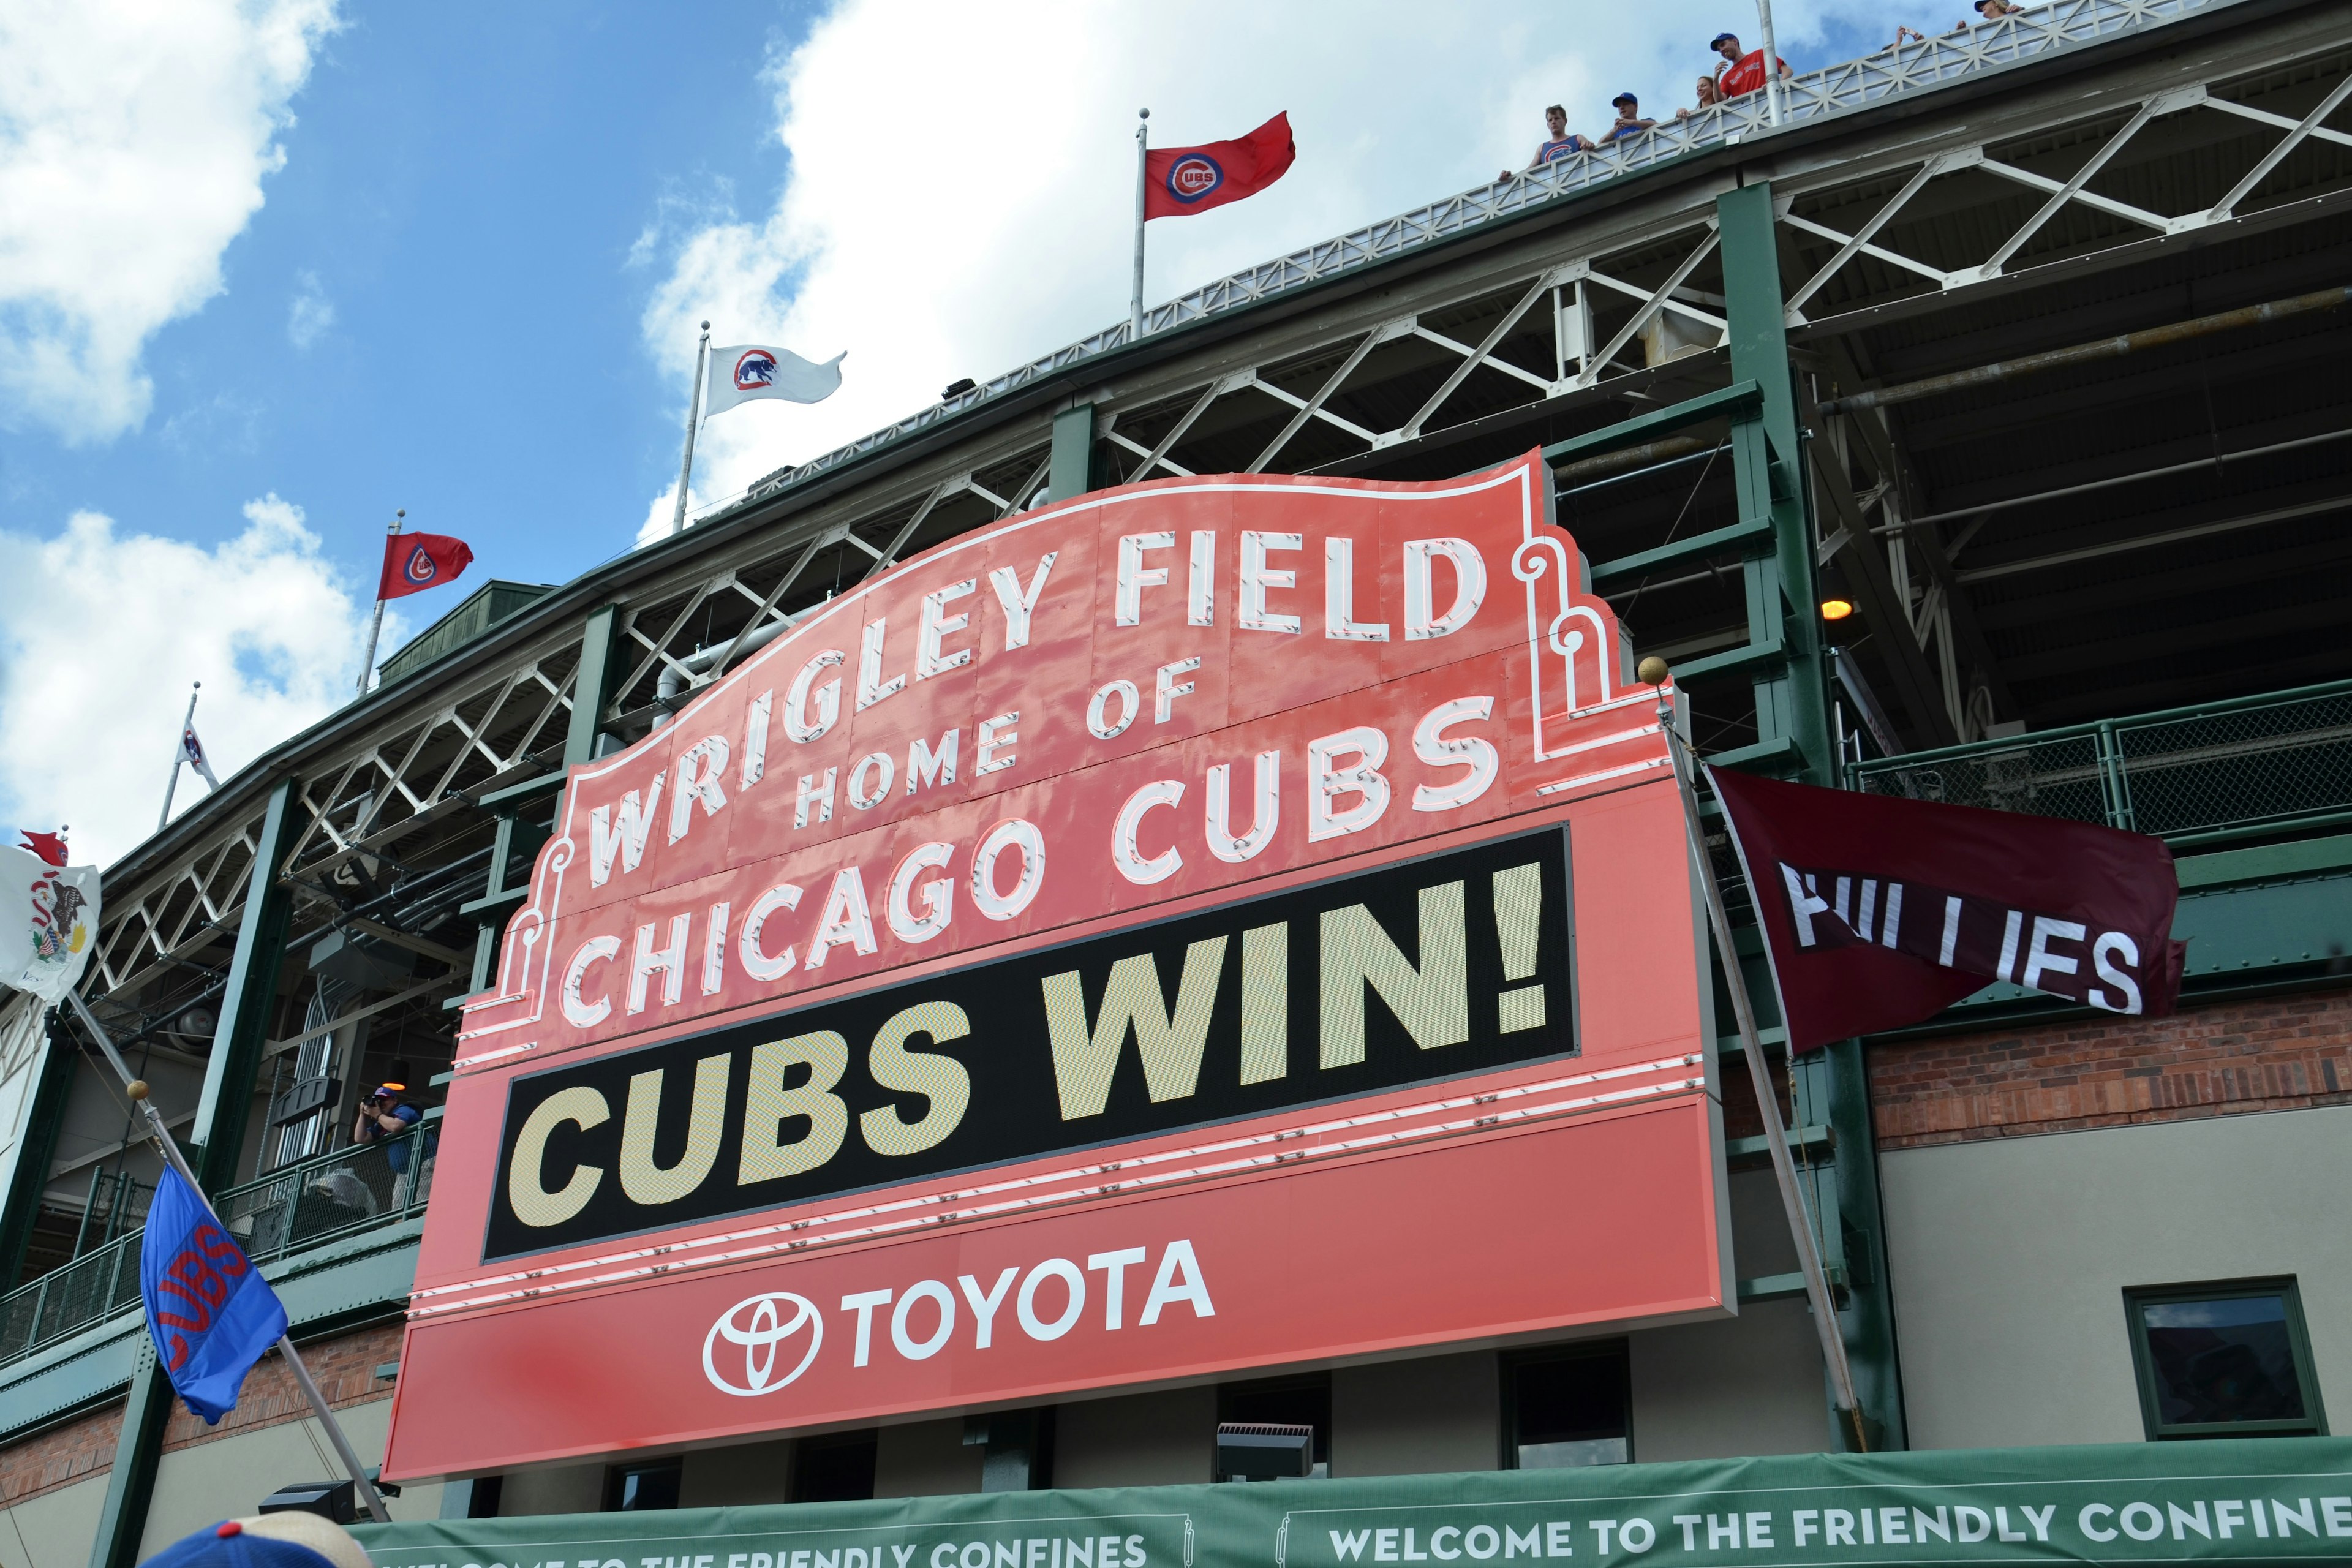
column 62, row 1455
column 75, row 1449
column 343, row 1368
column 2281, row 1053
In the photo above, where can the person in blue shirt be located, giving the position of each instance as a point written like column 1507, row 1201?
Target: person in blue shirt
column 1628, row 121
column 383, row 1115
column 1560, row 143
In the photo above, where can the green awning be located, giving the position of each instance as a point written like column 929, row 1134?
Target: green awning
column 2278, row 1499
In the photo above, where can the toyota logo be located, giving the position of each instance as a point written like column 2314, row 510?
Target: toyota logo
column 759, row 1325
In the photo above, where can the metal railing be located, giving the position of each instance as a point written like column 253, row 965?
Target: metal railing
column 342, row 1193
column 1891, row 72
column 2205, row 774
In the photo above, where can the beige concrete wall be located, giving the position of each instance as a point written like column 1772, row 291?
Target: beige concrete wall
column 202, row 1484
column 1136, row 1439
column 2010, row 1256
column 56, row 1528
column 1424, row 1417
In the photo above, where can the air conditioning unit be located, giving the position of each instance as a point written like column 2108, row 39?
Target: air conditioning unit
column 1257, row 1451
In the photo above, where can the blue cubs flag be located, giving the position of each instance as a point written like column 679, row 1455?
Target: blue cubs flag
column 1181, row 181
column 416, row 561
column 211, row 1312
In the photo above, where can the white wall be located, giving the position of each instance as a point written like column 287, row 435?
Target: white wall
column 56, row 1528
column 1752, row 1386
column 2010, row 1256
column 202, row 1485
column 1424, row 1416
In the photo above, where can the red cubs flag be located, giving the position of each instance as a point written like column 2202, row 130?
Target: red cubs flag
column 1880, row 911
column 416, row 561
column 1181, row 181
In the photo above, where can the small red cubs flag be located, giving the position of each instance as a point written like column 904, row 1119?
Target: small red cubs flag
column 1880, row 911
column 416, row 561
column 1181, row 181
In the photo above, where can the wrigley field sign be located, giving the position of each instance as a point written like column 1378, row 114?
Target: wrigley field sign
column 2269, row 1500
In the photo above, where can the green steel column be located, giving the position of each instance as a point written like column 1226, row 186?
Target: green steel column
column 245, row 1000
column 592, row 690
column 221, row 1117
column 1073, row 470
column 1793, row 704
column 1792, row 709
column 122, row 1517
column 42, row 1122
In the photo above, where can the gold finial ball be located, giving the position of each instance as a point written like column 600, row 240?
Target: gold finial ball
column 1652, row 670
column 137, row 1089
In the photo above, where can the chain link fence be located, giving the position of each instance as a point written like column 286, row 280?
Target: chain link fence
column 2191, row 775
column 340, row 1193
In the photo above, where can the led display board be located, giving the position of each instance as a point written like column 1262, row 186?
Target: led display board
column 1211, row 924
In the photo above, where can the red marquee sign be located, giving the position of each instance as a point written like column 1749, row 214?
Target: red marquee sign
column 1210, row 924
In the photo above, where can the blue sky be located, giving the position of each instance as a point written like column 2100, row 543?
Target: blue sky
column 462, row 191
column 270, row 269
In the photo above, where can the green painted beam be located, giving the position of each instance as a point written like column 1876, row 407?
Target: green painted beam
column 1707, row 543
column 122, row 1517
column 1792, row 733
column 42, row 1122
column 592, row 688
column 1745, row 659
column 248, row 999
column 1072, row 470
column 1739, row 401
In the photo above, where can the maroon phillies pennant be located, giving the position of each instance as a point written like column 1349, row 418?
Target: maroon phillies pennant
column 1880, row 911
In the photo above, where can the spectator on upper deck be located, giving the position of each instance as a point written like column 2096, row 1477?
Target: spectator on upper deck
column 1628, row 121
column 1707, row 99
column 1741, row 72
column 1994, row 10
column 1559, row 142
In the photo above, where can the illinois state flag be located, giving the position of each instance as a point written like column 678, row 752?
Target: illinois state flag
column 416, row 561
column 1181, row 181
column 210, row 1311
column 1880, row 911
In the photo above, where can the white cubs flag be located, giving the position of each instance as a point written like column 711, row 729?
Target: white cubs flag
column 747, row 372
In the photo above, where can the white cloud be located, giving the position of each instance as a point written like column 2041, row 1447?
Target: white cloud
column 310, row 314
column 961, row 194
column 133, row 142
column 100, row 633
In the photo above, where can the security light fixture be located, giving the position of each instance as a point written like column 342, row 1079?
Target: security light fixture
column 332, row 1500
column 1836, row 609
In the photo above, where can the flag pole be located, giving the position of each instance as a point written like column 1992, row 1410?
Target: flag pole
column 1134, row 297
column 1767, row 1102
column 375, row 627
column 693, row 418
column 179, row 755
column 137, row 1090
column 1772, row 63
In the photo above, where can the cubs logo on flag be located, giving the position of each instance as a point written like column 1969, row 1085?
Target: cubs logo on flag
column 416, row 561
column 749, row 372
column 1180, row 180
column 210, row 1312
column 755, row 371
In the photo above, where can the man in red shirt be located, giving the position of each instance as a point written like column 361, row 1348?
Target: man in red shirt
column 1741, row 72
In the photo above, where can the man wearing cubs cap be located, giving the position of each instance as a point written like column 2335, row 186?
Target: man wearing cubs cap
column 288, row 1540
column 1740, row 73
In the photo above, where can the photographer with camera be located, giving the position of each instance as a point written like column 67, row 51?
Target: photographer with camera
column 383, row 1115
